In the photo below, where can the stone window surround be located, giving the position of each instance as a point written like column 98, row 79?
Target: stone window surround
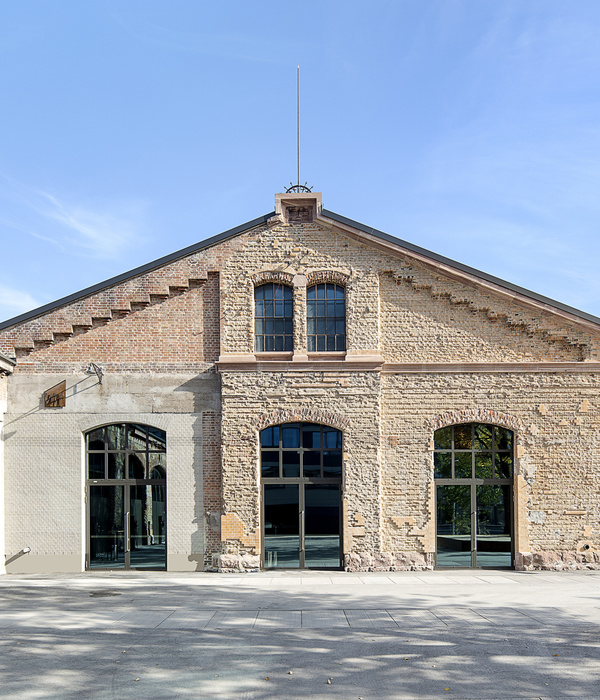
column 299, row 284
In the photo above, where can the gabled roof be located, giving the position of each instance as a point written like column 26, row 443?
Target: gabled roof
column 354, row 229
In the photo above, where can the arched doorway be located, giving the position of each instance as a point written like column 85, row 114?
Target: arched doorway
column 125, row 496
column 301, row 476
column 473, row 469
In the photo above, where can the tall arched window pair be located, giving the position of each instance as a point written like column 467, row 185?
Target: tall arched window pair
column 325, row 318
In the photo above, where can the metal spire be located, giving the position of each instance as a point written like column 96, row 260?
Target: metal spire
column 298, row 187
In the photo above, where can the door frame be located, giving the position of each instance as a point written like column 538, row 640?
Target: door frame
column 473, row 484
column 126, row 484
column 301, row 482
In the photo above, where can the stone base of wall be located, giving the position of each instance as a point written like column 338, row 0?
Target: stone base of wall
column 388, row 561
column 235, row 563
column 557, row 561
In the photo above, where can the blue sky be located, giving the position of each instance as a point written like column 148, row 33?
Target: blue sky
column 132, row 129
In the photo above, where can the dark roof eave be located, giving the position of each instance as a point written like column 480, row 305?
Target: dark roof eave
column 459, row 266
column 136, row 272
column 231, row 233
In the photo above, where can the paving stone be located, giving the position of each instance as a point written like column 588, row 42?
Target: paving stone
column 143, row 618
column 324, row 618
column 415, row 618
column 188, row 619
column 232, row 618
column 279, row 618
column 370, row 618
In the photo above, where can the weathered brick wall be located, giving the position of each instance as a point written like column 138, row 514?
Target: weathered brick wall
column 178, row 333
column 423, row 315
column 157, row 337
column 441, row 321
column 300, row 249
column 347, row 401
column 557, row 456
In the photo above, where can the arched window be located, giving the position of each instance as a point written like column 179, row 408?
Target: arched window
column 273, row 318
column 301, row 450
column 126, row 451
column 473, row 451
column 326, row 318
column 473, row 469
column 126, row 505
column 301, row 470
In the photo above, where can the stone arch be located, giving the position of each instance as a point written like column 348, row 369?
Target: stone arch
column 482, row 415
column 301, row 415
column 320, row 276
column 476, row 415
column 272, row 276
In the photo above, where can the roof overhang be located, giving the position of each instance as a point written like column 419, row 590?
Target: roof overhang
column 457, row 271
column 361, row 233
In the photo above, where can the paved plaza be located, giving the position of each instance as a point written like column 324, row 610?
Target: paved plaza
column 471, row 635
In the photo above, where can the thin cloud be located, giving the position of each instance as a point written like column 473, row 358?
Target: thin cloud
column 16, row 301
column 101, row 232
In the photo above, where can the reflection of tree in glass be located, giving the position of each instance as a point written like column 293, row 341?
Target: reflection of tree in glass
column 492, row 509
column 454, row 508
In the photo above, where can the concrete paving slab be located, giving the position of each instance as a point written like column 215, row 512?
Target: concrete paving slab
column 288, row 619
column 143, row 618
column 377, row 580
column 405, row 617
column 508, row 618
column 187, row 619
column 442, row 580
column 232, row 618
column 370, row 618
column 313, row 619
column 494, row 580
column 62, row 638
column 459, row 616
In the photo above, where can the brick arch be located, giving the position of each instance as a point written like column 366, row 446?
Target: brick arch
column 320, row 276
column 272, row 276
column 476, row 415
column 301, row 415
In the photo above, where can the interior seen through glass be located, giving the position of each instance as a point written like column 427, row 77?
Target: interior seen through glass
column 301, row 467
column 126, row 468
column 473, row 467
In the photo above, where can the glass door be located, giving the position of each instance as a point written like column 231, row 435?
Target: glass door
column 322, row 526
column 107, row 527
column 126, row 478
column 494, row 542
column 282, row 525
column 147, row 548
column 127, row 526
column 301, row 470
column 301, row 526
column 473, row 470
column 454, row 527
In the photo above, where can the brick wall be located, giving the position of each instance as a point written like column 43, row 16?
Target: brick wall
column 158, row 338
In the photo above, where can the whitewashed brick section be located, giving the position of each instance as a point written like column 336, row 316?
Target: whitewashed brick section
column 46, row 455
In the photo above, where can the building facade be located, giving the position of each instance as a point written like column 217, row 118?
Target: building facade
column 303, row 392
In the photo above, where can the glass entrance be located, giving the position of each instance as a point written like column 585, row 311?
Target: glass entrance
column 301, row 467
column 125, row 493
column 474, row 472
